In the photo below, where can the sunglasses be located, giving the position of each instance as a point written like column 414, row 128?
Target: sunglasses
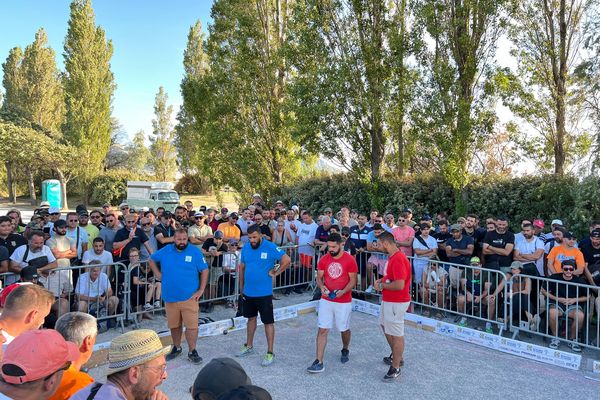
column 95, row 216
column 73, row 220
column 569, row 269
column 148, row 224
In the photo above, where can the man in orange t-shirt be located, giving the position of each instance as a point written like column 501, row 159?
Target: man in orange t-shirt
column 565, row 251
column 81, row 329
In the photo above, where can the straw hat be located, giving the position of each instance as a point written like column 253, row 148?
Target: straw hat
column 134, row 348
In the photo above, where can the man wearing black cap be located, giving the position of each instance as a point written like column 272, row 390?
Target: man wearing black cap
column 591, row 255
column 219, row 376
column 230, row 228
column 409, row 217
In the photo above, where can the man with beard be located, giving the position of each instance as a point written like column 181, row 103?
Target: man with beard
column 565, row 250
column 336, row 276
column 184, row 274
column 109, row 232
column 62, row 246
column 164, row 232
column 35, row 253
column 8, row 239
column 530, row 250
column 473, row 230
column 257, row 270
column 498, row 246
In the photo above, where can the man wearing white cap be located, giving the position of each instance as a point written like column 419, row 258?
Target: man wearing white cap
column 136, row 367
column 199, row 232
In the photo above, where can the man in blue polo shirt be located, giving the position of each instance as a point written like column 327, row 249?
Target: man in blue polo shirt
column 184, row 274
column 257, row 270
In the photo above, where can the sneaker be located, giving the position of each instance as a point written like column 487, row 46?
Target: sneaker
column 575, row 347
column 388, row 361
column 194, row 357
column 267, row 359
column 245, row 351
column 230, row 304
column 157, row 304
column 175, row 352
column 345, row 356
column 463, row 322
column 392, row 374
column 316, row 367
column 554, row 343
column 148, row 307
column 370, row 289
column 488, row 328
column 535, row 323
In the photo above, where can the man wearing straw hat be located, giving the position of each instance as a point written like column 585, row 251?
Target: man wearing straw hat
column 136, row 366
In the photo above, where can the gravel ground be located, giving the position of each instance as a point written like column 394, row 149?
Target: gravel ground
column 436, row 367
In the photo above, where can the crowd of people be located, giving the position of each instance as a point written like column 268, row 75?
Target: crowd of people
column 346, row 253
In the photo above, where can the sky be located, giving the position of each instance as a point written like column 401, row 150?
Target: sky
column 149, row 37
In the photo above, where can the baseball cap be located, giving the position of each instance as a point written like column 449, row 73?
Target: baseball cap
column 556, row 222
column 233, row 215
column 377, row 226
column 34, row 355
column 218, row 235
column 568, row 235
column 295, row 207
column 198, row 214
column 595, row 233
column 516, row 265
column 327, row 209
column 224, row 210
column 233, row 242
column 408, row 210
column 106, row 205
column 256, row 195
column 279, row 202
column 29, row 273
column 475, row 260
column 539, row 223
column 83, row 213
column 246, row 392
column 45, row 204
column 53, row 210
column 455, row 227
column 219, row 376
column 426, row 217
column 123, row 205
column 61, row 223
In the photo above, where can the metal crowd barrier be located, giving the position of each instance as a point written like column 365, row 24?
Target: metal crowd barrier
column 534, row 312
column 301, row 272
column 74, row 291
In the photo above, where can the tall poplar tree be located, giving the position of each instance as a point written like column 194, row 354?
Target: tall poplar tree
column 89, row 86
column 163, row 157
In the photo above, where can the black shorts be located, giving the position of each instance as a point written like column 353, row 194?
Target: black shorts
column 254, row 305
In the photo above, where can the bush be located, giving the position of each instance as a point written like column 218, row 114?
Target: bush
column 193, row 184
column 111, row 187
column 528, row 197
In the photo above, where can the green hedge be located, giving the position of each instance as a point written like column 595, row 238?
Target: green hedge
column 548, row 197
column 111, row 186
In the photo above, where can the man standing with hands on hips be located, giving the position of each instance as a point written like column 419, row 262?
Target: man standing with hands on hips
column 336, row 277
column 395, row 288
column 184, row 274
column 257, row 268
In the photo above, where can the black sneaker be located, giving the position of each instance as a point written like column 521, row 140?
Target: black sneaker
column 388, row 361
column 392, row 374
column 316, row 367
column 175, row 351
column 194, row 357
column 345, row 356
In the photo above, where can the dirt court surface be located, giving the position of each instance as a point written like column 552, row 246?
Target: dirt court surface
column 436, row 367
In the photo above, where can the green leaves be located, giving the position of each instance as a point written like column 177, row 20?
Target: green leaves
column 163, row 158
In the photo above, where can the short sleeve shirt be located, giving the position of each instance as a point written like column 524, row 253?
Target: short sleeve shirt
column 83, row 239
column 398, row 268
column 166, row 231
column 258, row 262
column 336, row 274
column 91, row 288
column 461, row 244
column 431, row 244
column 561, row 253
column 306, row 234
column 499, row 240
column 61, row 243
column 180, row 271
column 137, row 241
column 13, row 241
column 402, row 235
column 4, row 256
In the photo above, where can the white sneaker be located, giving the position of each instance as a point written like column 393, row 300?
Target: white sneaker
column 148, row 307
column 157, row 304
column 370, row 289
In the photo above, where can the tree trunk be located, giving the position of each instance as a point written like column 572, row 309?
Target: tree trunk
column 561, row 94
column 31, row 184
column 63, row 187
column 10, row 184
column 402, row 89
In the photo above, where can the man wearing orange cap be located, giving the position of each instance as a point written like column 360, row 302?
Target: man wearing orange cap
column 34, row 364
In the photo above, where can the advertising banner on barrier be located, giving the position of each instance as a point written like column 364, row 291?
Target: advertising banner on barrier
column 510, row 346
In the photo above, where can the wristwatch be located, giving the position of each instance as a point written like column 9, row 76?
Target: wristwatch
column 380, row 285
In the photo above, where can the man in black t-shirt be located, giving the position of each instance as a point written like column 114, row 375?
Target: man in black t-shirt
column 591, row 255
column 164, row 232
column 472, row 230
column 442, row 235
column 459, row 249
column 128, row 237
column 565, row 300
column 498, row 246
column 8, row 239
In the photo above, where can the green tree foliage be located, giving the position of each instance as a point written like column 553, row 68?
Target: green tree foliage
column 138, row 153
column 89, row 87
column 12, row 79
column 239, row 106
column 455, row 112
column 548, row 38
column 163, row 157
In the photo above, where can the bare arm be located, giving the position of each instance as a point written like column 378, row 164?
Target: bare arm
column 155, row 271
column 241, row 277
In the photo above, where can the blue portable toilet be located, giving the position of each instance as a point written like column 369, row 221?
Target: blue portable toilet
column 52, row 193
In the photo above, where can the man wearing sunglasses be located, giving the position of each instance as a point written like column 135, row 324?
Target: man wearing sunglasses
column 129, row 237
column 109, row 232
column 34, row 364
column 565, row 300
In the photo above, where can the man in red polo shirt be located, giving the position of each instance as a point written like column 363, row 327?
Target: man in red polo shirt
column 395, row 287
column 336, row 276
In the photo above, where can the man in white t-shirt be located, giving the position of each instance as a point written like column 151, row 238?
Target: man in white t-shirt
column 94, row 291
column 425, row 247
column 34, row 253
column 305, row 236
column 291, row 223
column 529, row 249
column 98, row 253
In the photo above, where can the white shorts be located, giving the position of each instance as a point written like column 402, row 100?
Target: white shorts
column 330, row 311
column 391, row 317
